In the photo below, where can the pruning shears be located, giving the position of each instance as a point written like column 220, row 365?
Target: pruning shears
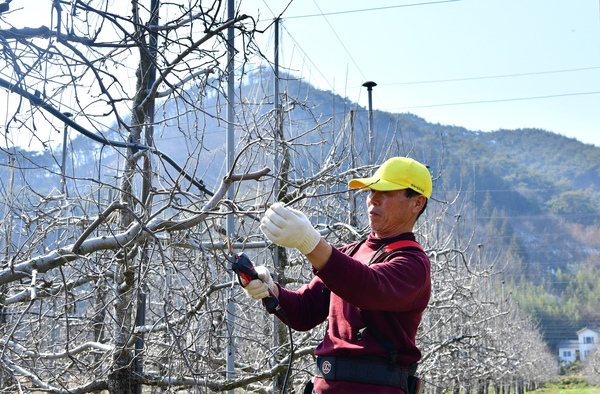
column 244, row 269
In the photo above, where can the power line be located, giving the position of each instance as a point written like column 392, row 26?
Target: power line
column 484, row 77
column 324, row 15
column 371, row 9
column 491, row 76
column 498, row 100
column 306, row 56
column 297, row 45
column 341, row 42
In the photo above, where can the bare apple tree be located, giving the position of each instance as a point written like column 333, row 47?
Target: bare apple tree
column 473, row 336
column 591, row 367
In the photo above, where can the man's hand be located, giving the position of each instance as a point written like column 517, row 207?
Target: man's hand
column 258, row 289
column 289, row 228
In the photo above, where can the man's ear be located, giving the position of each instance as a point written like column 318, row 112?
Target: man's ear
column 419, row 202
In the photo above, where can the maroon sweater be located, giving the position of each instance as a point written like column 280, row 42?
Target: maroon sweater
column 392, row 295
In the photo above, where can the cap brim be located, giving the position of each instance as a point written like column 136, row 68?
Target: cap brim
column 374, row 184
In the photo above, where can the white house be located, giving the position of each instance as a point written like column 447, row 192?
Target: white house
column 573, row 350
column 568, row 351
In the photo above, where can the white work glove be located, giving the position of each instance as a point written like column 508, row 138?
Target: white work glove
column 258, row 289
column 289, row 228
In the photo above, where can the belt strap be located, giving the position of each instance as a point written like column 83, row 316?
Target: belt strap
column 369, row 370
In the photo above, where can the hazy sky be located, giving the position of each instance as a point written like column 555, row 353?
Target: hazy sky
column 480, row 64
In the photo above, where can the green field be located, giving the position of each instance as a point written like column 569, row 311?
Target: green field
column 555, row 389
column 568, row 385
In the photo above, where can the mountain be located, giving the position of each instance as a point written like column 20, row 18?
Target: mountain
column 531, row 194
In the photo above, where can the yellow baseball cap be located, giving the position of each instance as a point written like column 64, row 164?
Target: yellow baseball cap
column 395, row 174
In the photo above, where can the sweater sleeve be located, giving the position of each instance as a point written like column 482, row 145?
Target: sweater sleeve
column 400, row 283
column 306, row 307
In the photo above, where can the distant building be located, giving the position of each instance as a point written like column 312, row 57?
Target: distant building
column 578, row 350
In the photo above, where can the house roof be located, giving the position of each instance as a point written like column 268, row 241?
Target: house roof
column 568, row 343
column 595, row 329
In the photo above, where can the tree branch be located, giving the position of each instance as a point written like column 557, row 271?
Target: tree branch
column 137, row 232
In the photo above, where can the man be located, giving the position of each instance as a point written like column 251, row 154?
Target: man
column 373, row 300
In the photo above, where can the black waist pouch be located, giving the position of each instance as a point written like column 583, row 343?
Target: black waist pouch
column 414, row 385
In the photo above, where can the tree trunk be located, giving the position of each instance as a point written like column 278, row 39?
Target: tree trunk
column 121, row 378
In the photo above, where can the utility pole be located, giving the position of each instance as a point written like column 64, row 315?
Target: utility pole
column 278, row 252
column 352, row 208
column 229, row 224
column 278, row 121
column 369, row 85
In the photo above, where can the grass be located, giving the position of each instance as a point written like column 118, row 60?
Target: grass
column 566, row 390
column 568, row 385
column 555, row 389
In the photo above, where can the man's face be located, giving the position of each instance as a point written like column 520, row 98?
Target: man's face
column 392, row 213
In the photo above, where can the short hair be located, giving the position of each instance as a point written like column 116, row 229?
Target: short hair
column 412, row 193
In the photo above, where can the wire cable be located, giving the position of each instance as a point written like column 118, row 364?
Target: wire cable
column 340, row 40
column 371, row 9
column 307, row 57
column 491, row 76
column 498, row 100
